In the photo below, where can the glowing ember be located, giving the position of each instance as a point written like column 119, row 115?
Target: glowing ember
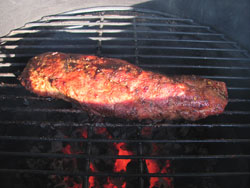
column 109, row 184
column 92, row 168
column 124, row 185
column 85, row 134
column 165, row 170
column 153, row 167
column 121, row 164
column 70, row 182
column 91, row 181
column 67, row 149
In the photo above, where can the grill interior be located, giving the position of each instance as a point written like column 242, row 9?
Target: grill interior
column 48, row 143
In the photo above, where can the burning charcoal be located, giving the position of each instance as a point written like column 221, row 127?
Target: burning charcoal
column 94, row 182
column 121, row 164
column 154, row 166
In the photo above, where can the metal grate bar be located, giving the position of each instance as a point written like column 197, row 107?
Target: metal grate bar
column 9, row 85
column 196, row 57
column 118, row 46
column 193, row 67
column 3, row 97
column 135, row 43
column 228, row 77
column 71, row 110
column 6, row 64
column 141, row 156
column 238, row 88
column 238, row 100
column 107, row 23
column 11, row 55
column 52, row 46
column 89, row 145
column 65, row 173
column 23, row 31
column 73, row 124
column 114, row 17
column 6, row 75
column 29, row 38
column 140, row 152
column 119, row 8
column 190, row 48
column 45, row 139
column 41, row 110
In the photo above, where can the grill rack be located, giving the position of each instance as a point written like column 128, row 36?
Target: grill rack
column 136, row 33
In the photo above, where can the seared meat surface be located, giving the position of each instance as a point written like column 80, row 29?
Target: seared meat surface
column 115, row 88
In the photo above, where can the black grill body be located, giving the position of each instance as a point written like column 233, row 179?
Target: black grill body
column 50, row 143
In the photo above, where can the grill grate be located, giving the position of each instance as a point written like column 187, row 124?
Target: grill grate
column 154, row 41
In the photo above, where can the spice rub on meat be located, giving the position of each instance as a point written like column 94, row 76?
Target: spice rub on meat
column 111, row 87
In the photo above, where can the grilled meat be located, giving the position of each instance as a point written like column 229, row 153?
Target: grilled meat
column 115, row 88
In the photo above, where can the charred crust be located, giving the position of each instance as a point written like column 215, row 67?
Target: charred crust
column 70, row 65
column 50, row 80
column 142, row 103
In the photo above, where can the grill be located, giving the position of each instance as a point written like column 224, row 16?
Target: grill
column 50, row 143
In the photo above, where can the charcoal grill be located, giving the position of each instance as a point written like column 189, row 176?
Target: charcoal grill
column 36, row 131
